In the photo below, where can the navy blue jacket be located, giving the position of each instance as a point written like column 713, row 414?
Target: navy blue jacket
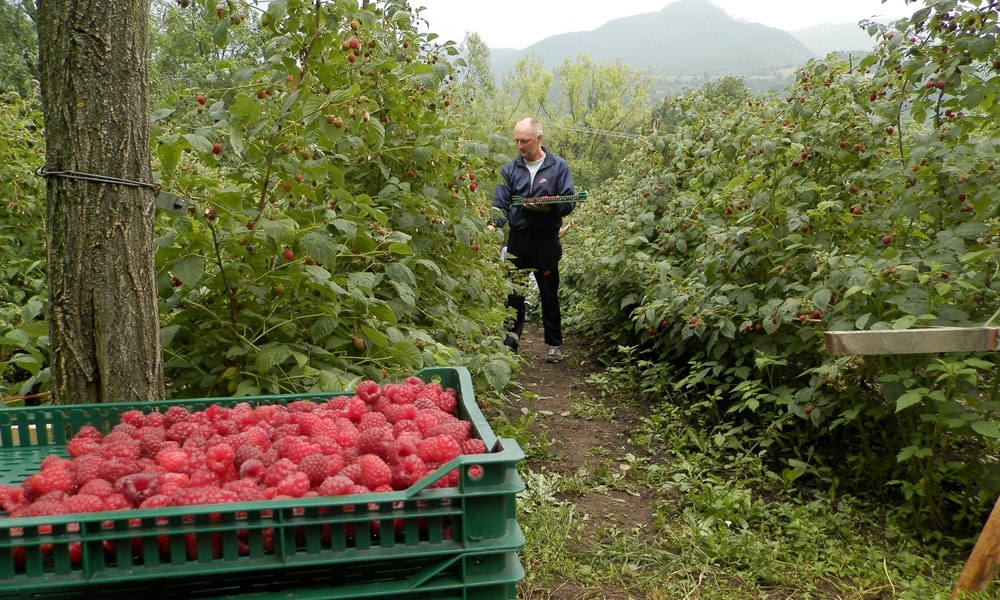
column 552, row 179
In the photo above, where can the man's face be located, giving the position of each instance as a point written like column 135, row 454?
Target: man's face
column 529, row 145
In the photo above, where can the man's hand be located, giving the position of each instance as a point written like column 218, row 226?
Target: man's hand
column 544, row 208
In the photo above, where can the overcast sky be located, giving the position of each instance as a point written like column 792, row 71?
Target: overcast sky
column 520, row 23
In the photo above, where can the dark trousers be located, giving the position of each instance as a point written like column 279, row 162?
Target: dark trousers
column 540, row 255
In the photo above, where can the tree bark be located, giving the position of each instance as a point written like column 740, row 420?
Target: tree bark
column 104, row 324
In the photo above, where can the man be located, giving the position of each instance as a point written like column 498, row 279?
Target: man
column 533, row 240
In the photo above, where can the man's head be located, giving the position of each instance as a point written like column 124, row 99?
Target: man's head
column 528, row 137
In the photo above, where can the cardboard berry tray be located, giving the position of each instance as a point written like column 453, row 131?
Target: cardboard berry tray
column 425, row 541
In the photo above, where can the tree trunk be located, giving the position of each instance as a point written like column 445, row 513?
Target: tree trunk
column 104, row 326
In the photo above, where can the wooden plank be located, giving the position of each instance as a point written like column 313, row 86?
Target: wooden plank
column 983, row 562
column 912, row 341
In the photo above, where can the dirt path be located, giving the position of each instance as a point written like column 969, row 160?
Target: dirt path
column 584, row 437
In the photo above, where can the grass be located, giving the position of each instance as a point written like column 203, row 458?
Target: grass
column 724, row 526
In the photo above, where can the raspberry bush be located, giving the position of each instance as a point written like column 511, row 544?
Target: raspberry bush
column 333, row 232
column 862, row 197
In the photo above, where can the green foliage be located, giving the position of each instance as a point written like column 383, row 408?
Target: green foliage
column 18, row 48
column 862, row 199
column 23, row 325
column 335, row 226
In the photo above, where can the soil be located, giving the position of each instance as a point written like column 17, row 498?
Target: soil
column 572, row 417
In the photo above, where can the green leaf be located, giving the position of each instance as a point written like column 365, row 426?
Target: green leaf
column 272, row 356
column 910, row 398
column 198, row 143
column 281, row 230
column 497, row 373
column 321, row 246
column 321, row 328
column 375, row 337
column 220, row 35
column 986, row 429
column 28, row 362
column 189, row 270
column 169, row 155
column 407, row 354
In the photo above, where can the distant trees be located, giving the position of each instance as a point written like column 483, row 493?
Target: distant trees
column 18, row 47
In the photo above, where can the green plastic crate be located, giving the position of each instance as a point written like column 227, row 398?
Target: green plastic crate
column 453, row 542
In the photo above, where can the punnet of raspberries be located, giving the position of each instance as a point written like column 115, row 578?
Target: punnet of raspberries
column 382, row 438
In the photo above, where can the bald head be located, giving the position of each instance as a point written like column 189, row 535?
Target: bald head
column 528, row 137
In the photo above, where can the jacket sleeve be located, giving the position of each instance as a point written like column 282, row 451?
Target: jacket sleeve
column 502, row 200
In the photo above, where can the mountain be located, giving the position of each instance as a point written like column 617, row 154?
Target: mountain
column 839, row 37
column 687, row 38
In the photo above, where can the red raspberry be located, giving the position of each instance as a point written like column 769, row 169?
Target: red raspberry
column 317, row 426
column 203, row 476
column 47, row 481
column 456, row 428
column 375, row 472
column 172, row 460
column 279, row 471
column 53, row 461
column 204, row 494
column 180, row 431
column 259, row 436
column 294, row 486
column 372, row 419
column 395, row 413
column 252, row 469
column 438, row 449
column 215, row 412
column 226, row 427
column 247, row 452
column 157, row 501
column 153, row 419
column 82, row 446
column 347, row 434
column 219, row 458
column 326, row 444
column 176, row 414
column 87, row 467
column 42, row 508
column 316, row 467
column 336, row 462
column 11, row 497
column 428, row 419
column 352, row 471
column 84, row 503
column 89, row 432
column 401, row 394
column 404, row 426
column 151, row 440
column 97, row 487
column 134, row 417
column 410, row 470
column 245, row 489
column 302, row 406
column 338, row 485
column 137, row 487
column 368, row 390
column 116, row 501
column 295, row 448
column 474, row 446
column 120, row 445
column 447, row 401
column 374, row 440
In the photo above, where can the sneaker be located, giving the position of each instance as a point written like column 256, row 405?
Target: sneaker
column 554, row 355
column 511, row 343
